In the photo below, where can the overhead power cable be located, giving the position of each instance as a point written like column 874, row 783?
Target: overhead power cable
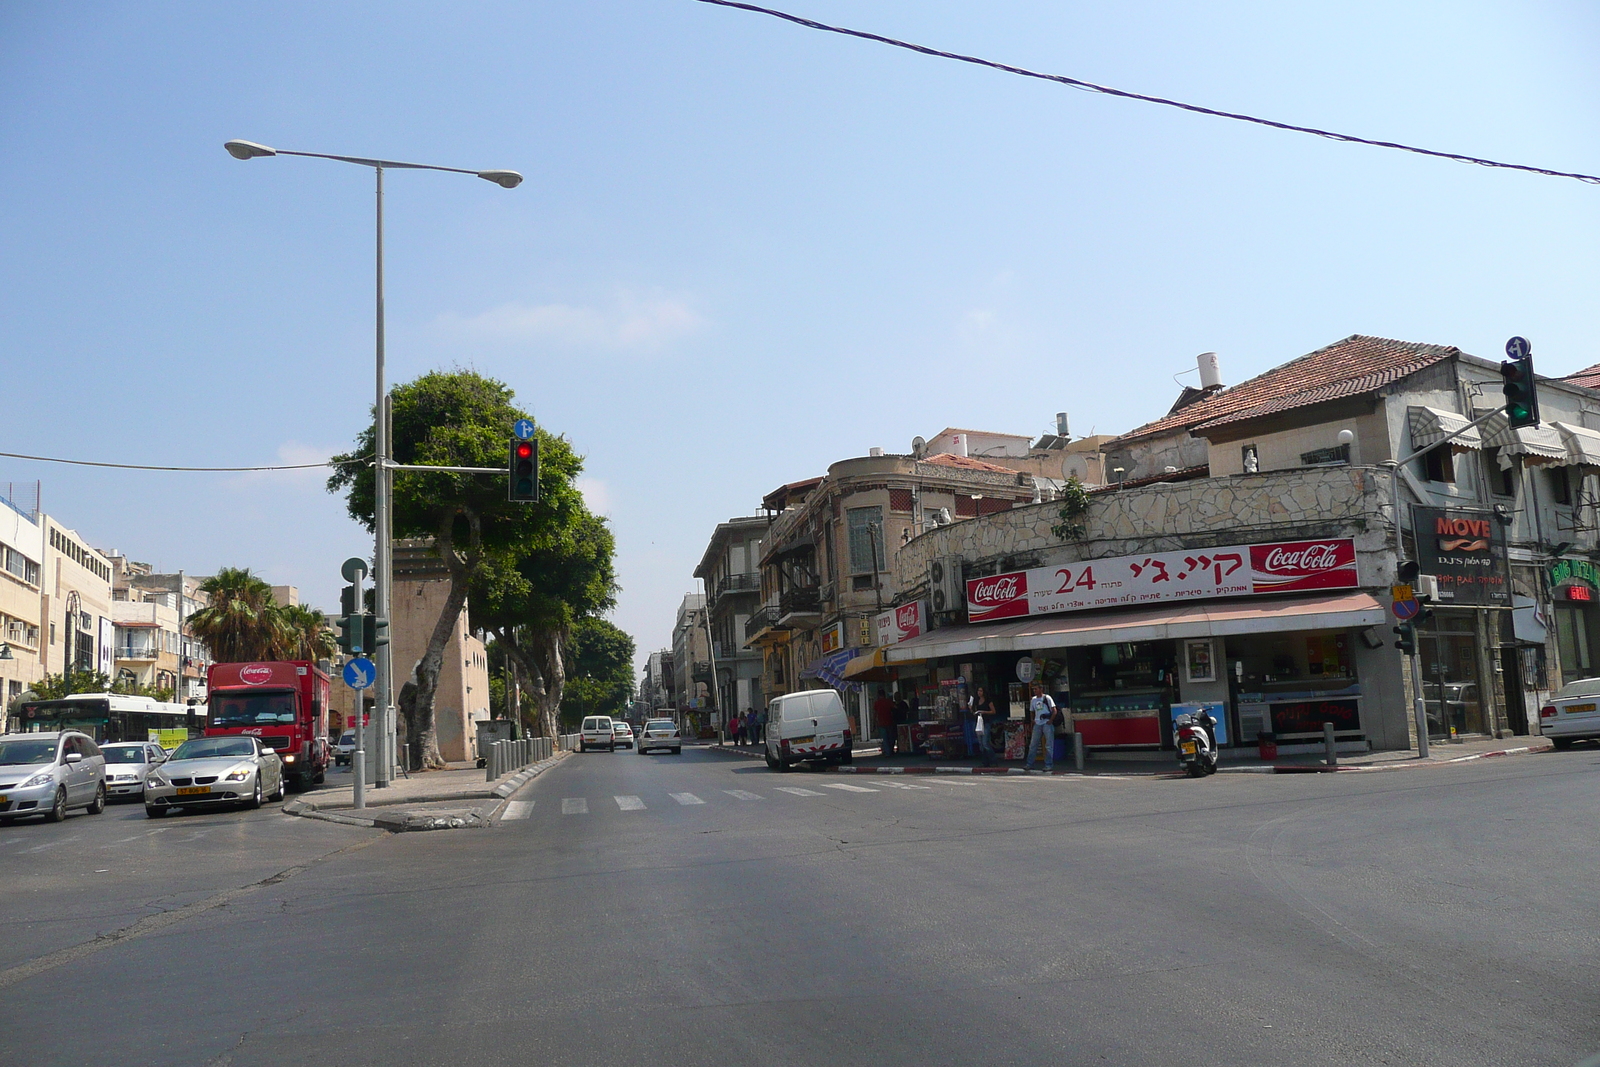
column 150, row 467
column 1091, row 87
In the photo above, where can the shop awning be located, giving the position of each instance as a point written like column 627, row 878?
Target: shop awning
column 830, row 668
column 1218, row 619
column 1535, row 444
column 1583, row 445
column 1431, row 425
column 874, row 667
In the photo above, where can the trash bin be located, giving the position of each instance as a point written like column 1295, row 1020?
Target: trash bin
column 1267, row 743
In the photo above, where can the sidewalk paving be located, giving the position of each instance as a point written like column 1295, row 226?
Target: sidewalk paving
column 867, row 760
column 457, row 798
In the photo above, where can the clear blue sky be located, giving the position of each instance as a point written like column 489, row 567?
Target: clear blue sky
column 743, row 249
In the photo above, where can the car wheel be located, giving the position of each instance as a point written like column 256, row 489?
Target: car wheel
column 848, row 757
column 255, row 799
column 677, row 752
column 98, row 804
column 321, row 776
column 283, row 789
column 152, row 812
column 1561, row 743
column 58, row 810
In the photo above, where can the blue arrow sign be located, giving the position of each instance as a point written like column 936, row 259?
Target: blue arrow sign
column 523, row 428
column 360, row 673
column 1518, row 348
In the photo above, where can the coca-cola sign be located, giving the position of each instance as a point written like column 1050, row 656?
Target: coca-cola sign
column 897, row 624
column 1121, row 581
column 255, row 674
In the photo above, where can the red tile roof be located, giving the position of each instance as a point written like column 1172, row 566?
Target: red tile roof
column 966, row 463
column 1588, row 377
column 1358, row 364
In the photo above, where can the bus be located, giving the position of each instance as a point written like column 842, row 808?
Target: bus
column 111, row 717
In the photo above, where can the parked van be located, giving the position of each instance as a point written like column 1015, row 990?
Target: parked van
column 807, row 726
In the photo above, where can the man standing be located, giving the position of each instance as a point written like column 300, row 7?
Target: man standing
column 1043, row 710
column 760, row 717
column 983, row 716
column 883, row 719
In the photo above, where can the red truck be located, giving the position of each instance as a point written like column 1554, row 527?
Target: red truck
column 284, row 703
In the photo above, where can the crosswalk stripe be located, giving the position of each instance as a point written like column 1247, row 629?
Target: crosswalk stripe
column 686, row 798
column 847, row 787
column 629, row 803
column 905, row 785
column 797, row 791
column 574, row 806
column 742, row 795
column 517, row 809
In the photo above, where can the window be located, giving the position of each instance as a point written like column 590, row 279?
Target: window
column 21, row 566
column 866, row 539
column 1249, row 459
column 1502, row 479
column 899, row 500
column 1326, row 457
column 1560, row 485
column 1439, row 465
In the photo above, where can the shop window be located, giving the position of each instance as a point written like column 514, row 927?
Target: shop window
column 900, row 500
column 1439, row 465
column 1502, row 480
column 1560, row 485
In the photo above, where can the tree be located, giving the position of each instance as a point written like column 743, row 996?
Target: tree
column 458, row 419
column 599, row 670
column 242, row 622
column 309, row 635
column 56, row 686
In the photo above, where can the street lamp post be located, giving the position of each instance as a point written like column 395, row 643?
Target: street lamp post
column 383, row 461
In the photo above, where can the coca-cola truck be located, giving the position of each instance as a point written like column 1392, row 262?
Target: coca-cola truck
column 283, row 703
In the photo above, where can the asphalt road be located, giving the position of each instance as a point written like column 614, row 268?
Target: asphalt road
column 702, row 910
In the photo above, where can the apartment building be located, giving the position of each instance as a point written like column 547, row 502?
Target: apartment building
column 730, row 570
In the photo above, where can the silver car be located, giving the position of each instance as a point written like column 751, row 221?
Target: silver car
column 46, row 774
column 128, row 763
column 660, row 733
column 210, row 771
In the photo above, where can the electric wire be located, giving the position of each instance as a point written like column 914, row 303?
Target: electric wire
column 151, row 467
column 1091, row 87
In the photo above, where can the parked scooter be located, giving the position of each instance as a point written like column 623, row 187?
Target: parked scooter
column 1196, row 736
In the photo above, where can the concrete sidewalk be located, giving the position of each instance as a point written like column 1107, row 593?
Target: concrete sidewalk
column 457, row 798
column 1163, row 764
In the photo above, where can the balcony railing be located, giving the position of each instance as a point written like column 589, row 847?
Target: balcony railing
column 737, row 583
column 702, row 671
column 136, row 652
column 800, row 601
column 765, row 618
column 727, row 653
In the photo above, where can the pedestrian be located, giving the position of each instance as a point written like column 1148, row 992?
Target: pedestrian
column 761, row 724
column 883, row 719
column 752, row 733
column 736, row 725
column 903, row 716
column 983, row 716
column 1045, row 716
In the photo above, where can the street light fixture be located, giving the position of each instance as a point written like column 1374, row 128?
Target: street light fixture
column 383, row 462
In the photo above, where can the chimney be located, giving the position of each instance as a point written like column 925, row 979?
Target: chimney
column 1210, row 371
column 875, row 452
column 958, row 444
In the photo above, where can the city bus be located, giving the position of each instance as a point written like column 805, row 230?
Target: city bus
column 111, row 717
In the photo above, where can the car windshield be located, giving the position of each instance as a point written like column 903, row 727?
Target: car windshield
column 252, row 709
column 212, row 747
column 124, row 753
column 347, row 739
column 17, row 752
column 659, row 724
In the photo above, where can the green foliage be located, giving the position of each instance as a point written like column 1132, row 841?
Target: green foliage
column 1074, row 505
column 599, row 667
column 56, row 686
column 242, row 623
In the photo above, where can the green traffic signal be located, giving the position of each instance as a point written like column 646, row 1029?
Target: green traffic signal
column 1407, row 643
column 348, row 639
column 1521, row 392
column 374, row 632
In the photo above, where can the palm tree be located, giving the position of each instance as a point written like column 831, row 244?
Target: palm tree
column 310, row 636
column 242, row 621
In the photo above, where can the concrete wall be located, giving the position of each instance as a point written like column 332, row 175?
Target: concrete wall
column 414, row 610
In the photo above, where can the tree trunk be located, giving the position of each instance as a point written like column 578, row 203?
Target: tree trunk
column 424, row 685
column 540, row 658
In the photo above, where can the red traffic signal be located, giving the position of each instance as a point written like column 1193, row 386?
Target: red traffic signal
column 522, row 470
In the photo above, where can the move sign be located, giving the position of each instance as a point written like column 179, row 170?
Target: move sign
column 1122, row 581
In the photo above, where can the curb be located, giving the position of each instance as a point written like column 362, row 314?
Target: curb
column 400, row 822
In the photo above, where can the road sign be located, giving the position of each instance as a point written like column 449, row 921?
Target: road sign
column 1518, row 348
column 360, row 673
column 1402, row 592
column 1406, row 609
column 523, row 428
column 354, row 569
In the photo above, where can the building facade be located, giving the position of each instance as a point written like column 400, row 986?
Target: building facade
column 421, row 587
column 730, row 571
column 691, row 668
column 22, row 604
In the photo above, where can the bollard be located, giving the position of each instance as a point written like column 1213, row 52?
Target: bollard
column 1077, row 750
column 1327, row 741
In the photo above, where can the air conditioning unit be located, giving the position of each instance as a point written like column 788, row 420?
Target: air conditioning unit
column 945, row 584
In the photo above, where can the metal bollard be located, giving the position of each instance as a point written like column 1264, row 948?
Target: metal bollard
column 1327, row 741
column 1077, row 750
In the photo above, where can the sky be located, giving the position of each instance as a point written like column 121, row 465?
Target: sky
column 744, row 250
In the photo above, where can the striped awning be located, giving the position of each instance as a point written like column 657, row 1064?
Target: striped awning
column 1432, row 425
column 1583, row 445
column 1535, row 444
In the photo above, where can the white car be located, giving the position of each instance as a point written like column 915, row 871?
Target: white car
column 1573, row 714
column 45, row 774
column 209, row 771
column 621, row 733
column 657, row 734
column 127, row 765
column 597, row 732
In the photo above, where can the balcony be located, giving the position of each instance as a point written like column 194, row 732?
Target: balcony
column 797, row 603
column 765, row 618
column 727, row 653
column 136, row 652
column 702, row 671
column 736, row 583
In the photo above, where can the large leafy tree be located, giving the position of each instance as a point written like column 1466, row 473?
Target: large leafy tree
column 457, row 419
column 242, row 622
column 308, row 634
column 599, row 667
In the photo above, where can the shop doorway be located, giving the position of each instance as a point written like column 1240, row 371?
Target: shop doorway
column 1451, row 693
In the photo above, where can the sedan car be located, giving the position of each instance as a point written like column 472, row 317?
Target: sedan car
column 210, row 771
column 128, row 763
column 48, row 773
column 660, row 733
column 622, row 733
column 345, row 751
column 1573, row 714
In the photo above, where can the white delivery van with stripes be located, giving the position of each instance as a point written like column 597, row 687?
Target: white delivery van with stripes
column 807, row 726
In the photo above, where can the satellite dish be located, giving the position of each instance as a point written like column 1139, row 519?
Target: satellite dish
column 1066, row 467
column 918, row 447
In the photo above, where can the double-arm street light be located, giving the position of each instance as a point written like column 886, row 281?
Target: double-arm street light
column 383, row 461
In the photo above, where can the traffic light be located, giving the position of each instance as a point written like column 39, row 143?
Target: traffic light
column 1408, row 639
column 1522, row 393
column 349, row 638
column 523, row 472
column 1408, row 572
column 374, row 632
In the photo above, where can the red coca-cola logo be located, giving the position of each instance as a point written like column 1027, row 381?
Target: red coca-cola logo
column 1303, row 565
column 1000, row 597
column 1315, row 557
column 255, row 674
column 906, row 617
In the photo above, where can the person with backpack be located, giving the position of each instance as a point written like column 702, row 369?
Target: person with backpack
column 1046, row 717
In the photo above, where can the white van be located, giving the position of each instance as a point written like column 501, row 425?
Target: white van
column 807, row 726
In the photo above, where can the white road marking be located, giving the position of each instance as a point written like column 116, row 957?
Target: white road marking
column 797, row 791
column 629, row 803
column 574, row 806
column 518, row 809
column 847, row 787
column 686, row 798
column 905, row 785
column 52, row 844
column 742, row 795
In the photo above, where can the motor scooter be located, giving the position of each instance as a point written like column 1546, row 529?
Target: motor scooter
column 1195, row 734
